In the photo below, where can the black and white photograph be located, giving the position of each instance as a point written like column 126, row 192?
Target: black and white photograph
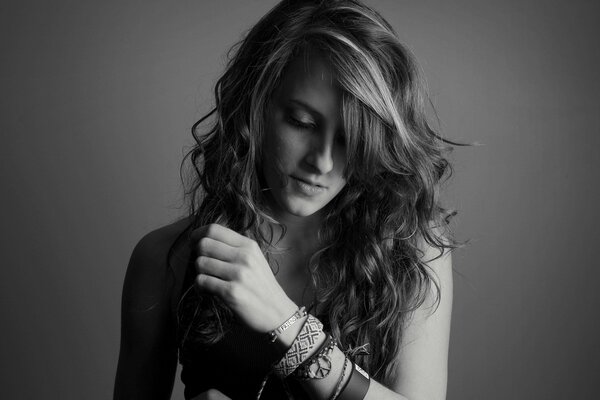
column 299, row 199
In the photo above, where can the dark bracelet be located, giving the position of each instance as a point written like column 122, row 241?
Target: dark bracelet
column 357, row 386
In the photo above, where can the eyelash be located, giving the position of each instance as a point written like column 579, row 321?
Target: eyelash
column 301, row 124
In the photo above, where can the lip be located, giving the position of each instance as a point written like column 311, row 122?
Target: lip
column 308, row 188
column 309, row 182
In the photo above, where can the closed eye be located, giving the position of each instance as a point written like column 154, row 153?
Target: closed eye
column 302, row 125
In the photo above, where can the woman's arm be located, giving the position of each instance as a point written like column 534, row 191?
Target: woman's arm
column 148, row 354
column 423, row 359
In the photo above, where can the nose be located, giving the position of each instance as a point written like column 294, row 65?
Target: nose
column 320, row 156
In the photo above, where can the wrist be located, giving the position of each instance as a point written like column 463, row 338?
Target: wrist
column 282, row 312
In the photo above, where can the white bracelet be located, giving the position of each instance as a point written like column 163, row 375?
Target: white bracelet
column 301, row 312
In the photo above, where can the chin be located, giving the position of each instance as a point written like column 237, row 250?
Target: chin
column 301, row 209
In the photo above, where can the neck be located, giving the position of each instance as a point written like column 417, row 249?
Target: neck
column 301, row 233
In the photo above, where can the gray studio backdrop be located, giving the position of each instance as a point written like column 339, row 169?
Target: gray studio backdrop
column 97, row 99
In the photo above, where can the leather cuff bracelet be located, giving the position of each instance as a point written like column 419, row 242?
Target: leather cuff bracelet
column 357, row 386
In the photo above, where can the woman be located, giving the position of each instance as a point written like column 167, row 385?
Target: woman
column 315, row 248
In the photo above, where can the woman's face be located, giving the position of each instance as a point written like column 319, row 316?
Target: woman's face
column 303, row 151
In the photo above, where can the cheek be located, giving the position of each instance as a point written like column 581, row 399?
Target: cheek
column 285, row 148
column 278, row 158
column 339, row 161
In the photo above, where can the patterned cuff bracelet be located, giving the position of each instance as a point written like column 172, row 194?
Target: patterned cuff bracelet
column 299, row 350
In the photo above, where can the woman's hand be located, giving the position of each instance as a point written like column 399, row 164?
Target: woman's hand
column 211, row 394
column 234, row 268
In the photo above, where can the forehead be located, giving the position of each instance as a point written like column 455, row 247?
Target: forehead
column 310, row 79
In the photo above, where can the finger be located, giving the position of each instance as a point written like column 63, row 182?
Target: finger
column 212, row 285
column 220, row 233
column 212, row 248
column 217, row 268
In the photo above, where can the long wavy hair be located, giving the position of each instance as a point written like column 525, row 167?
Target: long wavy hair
column 369, row 273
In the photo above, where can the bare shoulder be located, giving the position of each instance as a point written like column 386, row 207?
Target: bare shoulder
column 439, row 298
column 439, row 260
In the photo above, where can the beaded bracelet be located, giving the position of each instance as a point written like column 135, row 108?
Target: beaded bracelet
column 298, row 352
column 338, row 386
